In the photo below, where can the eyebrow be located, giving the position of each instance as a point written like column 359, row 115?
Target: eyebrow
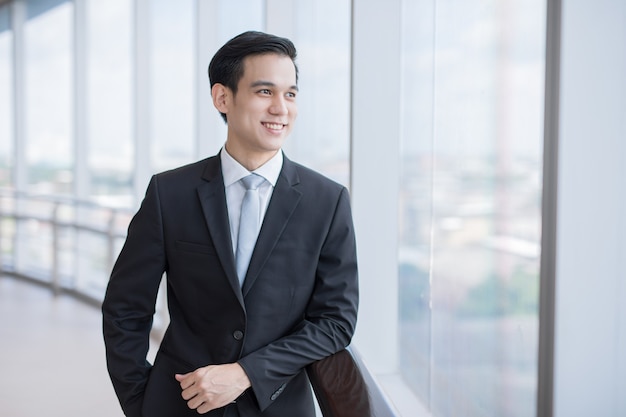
column 262, row 83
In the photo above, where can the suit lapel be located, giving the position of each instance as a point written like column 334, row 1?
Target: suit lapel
column 213, row 200
column 285, row 198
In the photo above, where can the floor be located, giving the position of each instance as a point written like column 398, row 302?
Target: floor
column 51, row 355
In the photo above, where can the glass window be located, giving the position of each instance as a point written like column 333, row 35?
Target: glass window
column 48, row 101
column 321, row 138
column 7, row 225
column 172, row 79
column 110, row 104
column 470, row 204
column 6, row 98
column 235, row 17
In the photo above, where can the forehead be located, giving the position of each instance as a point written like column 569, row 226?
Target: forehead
column 278, row 69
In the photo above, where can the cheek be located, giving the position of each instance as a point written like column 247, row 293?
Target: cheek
column 293, row 111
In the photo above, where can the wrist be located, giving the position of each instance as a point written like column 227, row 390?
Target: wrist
column 242, row 381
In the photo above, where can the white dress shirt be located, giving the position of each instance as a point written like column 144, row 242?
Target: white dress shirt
column 233, row 172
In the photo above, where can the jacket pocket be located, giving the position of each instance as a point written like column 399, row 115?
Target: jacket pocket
column 194, row 247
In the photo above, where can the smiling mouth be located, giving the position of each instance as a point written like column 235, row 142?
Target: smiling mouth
column 274, row 126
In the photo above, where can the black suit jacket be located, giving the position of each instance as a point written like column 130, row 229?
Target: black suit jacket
column 298, row 303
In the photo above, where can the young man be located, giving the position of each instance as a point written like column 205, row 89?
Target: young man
column 240, row 333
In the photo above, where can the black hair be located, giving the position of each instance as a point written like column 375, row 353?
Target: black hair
column 227, row 67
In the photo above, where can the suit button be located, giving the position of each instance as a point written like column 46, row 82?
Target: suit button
column 278, row 392
column 238, row 334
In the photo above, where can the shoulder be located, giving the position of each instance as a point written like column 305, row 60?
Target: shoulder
column 195, row 169
column 303, row 176
column 316, row 189
column 185, row 179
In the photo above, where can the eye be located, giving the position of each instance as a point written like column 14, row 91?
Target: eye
column 291, row 95
column 265, row 91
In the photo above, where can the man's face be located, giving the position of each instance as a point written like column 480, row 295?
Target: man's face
column 262, row 112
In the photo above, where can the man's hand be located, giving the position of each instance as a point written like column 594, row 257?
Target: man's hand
column 213, row 386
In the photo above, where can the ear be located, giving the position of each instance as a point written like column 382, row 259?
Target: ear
column 221, row 95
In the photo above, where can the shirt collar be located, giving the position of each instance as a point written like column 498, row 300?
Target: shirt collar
column 233, row 171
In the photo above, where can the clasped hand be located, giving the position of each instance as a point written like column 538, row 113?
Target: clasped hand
column 213, row 386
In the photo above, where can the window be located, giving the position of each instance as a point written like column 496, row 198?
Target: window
column 110, row 101
column 470, row 204
column 48, row 97
column 6, row 98
column 172, row 54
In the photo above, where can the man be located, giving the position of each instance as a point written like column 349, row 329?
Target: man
column 239, row 336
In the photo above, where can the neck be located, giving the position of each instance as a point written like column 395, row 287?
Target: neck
column 249, row 160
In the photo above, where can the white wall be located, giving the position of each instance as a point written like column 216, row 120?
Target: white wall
column 590, row 337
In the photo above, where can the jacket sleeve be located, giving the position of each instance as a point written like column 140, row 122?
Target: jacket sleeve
column 129, row 303
column 330, row 316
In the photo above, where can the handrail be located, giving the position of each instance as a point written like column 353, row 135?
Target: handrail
column 341, row 382
column 60, row 214
column 344, row 387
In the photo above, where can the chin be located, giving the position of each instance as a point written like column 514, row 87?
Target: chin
column 273, row 145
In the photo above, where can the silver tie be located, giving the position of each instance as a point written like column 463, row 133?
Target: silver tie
column 249, row 224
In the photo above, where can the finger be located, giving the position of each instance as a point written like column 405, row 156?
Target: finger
column 202, row 404
column 188, row 394
column 204, row 408
column 185, row 380
column 207, row 406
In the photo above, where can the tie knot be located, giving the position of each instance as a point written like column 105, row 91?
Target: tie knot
column 252, row 181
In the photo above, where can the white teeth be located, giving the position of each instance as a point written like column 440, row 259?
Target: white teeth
column 273, row 126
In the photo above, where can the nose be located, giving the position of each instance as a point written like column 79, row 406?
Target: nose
column 279, row 106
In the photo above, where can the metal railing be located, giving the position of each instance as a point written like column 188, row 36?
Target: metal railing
column 46, row 239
